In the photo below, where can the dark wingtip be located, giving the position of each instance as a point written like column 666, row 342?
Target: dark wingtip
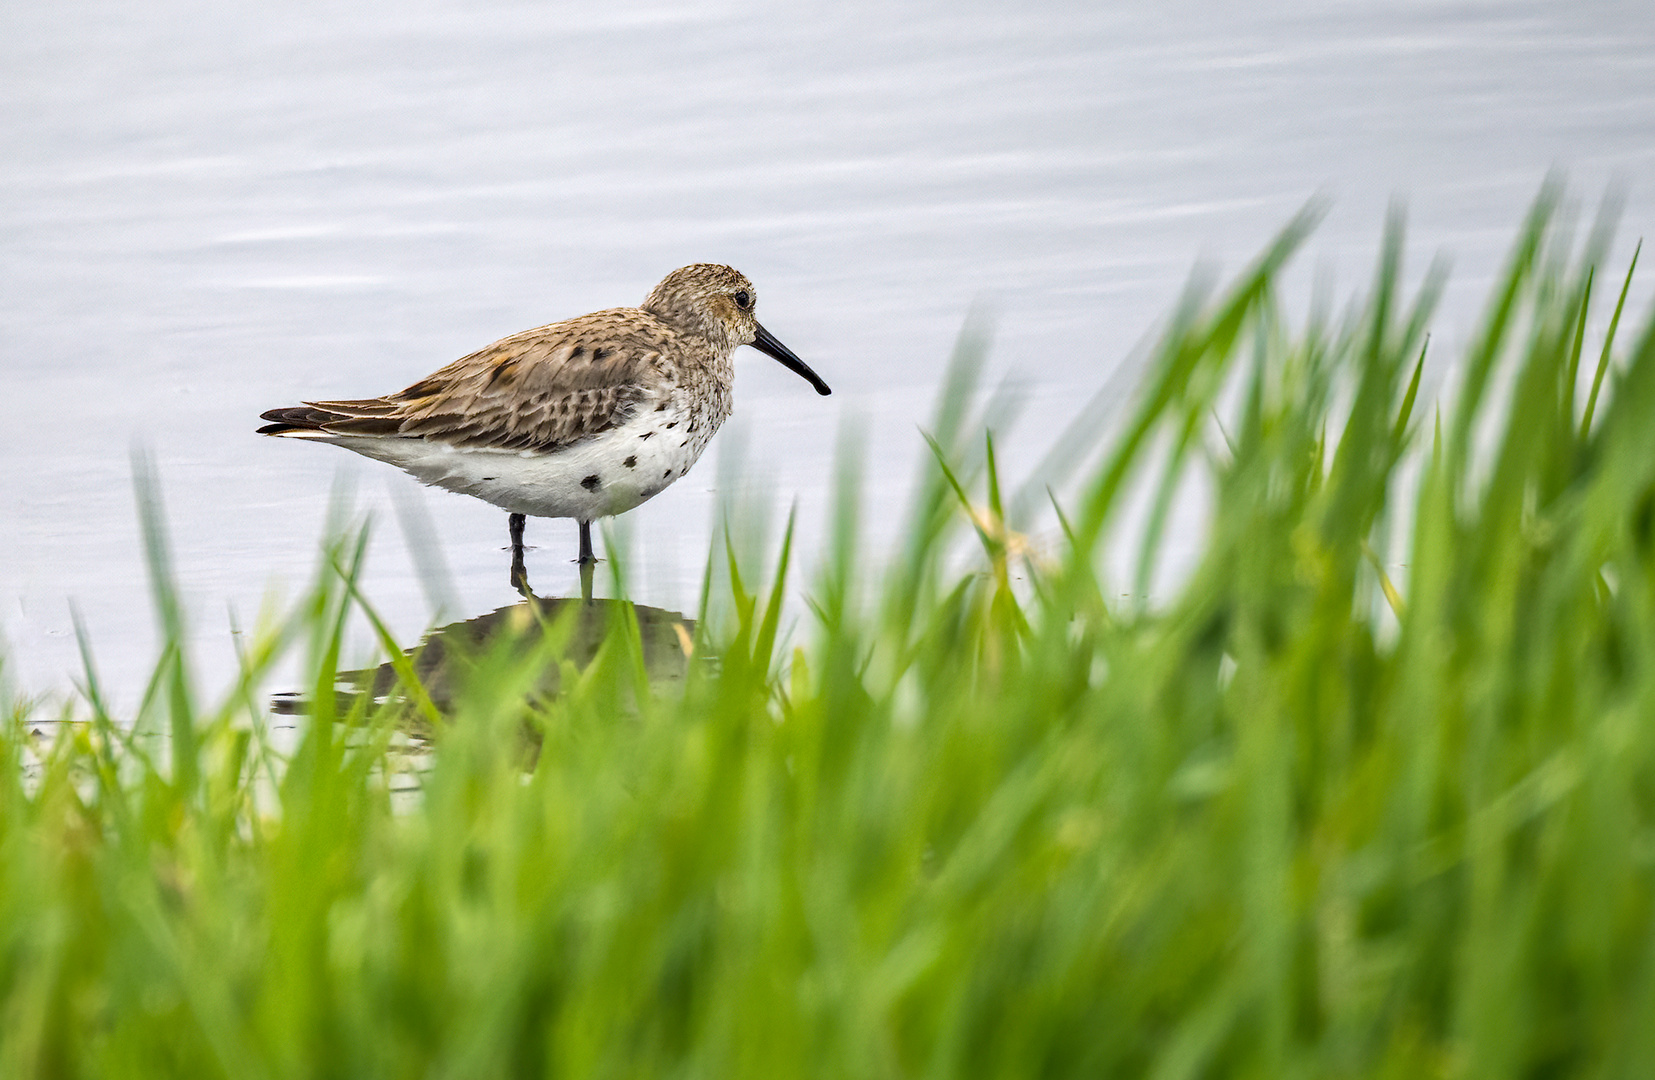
column 367, row 418
column 293, row 418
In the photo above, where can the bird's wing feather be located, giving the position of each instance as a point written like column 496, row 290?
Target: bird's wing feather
column 537, row 390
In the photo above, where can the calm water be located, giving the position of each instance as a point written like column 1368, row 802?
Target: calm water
column 207, row 213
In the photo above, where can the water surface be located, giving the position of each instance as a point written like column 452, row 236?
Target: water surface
column 207, row 212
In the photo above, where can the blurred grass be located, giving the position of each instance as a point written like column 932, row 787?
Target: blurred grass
column 1369, row 791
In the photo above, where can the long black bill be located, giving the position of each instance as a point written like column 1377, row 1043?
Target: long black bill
column 766, row 343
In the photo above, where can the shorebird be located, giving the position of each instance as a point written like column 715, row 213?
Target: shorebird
column 583, row 419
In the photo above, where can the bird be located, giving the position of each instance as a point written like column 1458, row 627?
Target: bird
column 585, row 418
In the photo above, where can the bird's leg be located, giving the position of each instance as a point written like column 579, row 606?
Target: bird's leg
column 519, row 573
column 588, row 562
column 586, row 555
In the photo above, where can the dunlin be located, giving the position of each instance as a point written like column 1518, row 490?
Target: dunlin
column 580, row 419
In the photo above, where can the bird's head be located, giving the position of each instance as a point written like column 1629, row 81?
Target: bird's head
column 717, row 302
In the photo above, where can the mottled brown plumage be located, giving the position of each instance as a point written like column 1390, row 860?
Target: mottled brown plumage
column 558, row 421
column 538, row 390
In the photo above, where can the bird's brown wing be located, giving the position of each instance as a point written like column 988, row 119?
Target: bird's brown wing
column 537, row 390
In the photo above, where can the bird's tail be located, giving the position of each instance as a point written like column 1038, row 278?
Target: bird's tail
column 324, row 419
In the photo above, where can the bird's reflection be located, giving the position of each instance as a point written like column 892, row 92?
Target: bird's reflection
column 520, row 574
column 449, row 654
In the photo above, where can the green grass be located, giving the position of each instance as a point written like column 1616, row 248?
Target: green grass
column 1370, row 791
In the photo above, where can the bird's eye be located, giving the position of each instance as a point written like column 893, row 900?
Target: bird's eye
column 743, row 300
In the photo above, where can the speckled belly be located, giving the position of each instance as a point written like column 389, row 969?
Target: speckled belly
column 606, row 474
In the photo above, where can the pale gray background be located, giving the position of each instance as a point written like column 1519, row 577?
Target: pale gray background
column 206, row 212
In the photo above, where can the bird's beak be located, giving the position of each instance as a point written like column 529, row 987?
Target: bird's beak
column 767, row 344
